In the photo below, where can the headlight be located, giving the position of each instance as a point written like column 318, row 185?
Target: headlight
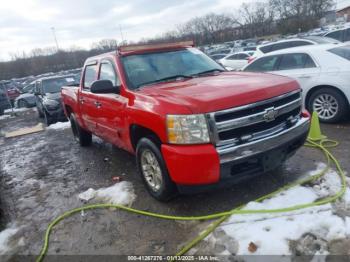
column 187, row 129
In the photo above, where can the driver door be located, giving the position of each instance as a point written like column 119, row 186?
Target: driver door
column 111, row 113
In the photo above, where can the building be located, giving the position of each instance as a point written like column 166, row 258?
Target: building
column 344, row 13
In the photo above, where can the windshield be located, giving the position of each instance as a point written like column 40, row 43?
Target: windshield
column 55, row 85
column 154, row 67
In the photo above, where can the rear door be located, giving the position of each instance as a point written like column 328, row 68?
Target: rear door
column 300, row 66
column 111, row 113
column 86, row 99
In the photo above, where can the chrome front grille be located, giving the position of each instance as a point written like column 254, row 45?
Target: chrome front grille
column 250, row 122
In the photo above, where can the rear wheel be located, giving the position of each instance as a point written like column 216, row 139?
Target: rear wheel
column 330, row 105
column 153, row 170
column 83, row 137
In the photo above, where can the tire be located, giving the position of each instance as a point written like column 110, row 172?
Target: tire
column 330, row 105
column 83, row 137
column 156, row 178
column 48, row 119
column 22, row 104
column 40, row 114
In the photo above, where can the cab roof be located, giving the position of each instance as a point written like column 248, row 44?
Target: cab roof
column 139, row 49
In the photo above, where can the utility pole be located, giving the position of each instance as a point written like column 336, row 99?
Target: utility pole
column 121, row 33
column 54, row 35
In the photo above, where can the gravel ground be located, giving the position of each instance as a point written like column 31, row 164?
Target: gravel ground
column 42, row 174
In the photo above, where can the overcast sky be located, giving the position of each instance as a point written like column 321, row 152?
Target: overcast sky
column 26, row 24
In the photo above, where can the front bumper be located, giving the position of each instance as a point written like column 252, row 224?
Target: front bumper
column 203, row 165
column 57, row 113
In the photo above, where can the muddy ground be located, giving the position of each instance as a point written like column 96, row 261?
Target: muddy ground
column 41, row 175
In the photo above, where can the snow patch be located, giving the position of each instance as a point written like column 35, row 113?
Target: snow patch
column 119, row 194
column 5, row 236
column 3, row 117
column 59, row 126
column 23, row 109
column 272, row 232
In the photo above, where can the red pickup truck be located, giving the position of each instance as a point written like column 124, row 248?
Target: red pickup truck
column 191, row 124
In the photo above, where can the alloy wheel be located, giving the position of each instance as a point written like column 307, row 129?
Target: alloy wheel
column 151, row 170
column 326, row 106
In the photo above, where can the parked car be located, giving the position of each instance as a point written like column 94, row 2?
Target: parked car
column 236, row 61
column 323, row 72
column 343, row 35
column 4, row 103
column 190, row 123
column 48, row 97
column 284, row 44
column 11, row 89
column 27, row 98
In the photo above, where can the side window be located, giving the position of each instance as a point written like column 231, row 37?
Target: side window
column 232, row 57
column 266, row 49
column 336, row 35
column 242, row 56
column 280, row 46
column 295, row 61
column 263, row 64
column 89, row 75
column 299, row 43
column 107, row 72
column 347, row 35
column 309, row 62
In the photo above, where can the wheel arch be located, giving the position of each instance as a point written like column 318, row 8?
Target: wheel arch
column 137, row 132
column 315, row 88
column 68, row 110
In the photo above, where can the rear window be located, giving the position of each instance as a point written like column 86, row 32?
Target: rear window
column 296, row 61
column 342, row 51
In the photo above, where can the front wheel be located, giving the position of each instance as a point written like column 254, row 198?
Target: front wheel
column 153, row 170
column 329, row 104
column 83, row 137
column 48, row 119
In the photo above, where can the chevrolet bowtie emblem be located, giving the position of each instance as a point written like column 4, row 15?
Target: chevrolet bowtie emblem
column 270, row 114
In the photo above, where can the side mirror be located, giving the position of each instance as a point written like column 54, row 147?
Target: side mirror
column 36, row 93
column 104, row 87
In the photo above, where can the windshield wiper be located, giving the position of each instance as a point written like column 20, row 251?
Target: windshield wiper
column 165, row 79
column 208, row 71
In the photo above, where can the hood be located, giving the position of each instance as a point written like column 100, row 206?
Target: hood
column 53, row 96
column 218, row 92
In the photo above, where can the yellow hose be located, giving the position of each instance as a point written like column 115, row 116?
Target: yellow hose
column 222, row 216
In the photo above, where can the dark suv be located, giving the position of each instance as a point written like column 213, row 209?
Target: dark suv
column 48, row 97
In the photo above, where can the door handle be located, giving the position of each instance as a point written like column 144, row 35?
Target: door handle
column 81, row 100
column 98, row 104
